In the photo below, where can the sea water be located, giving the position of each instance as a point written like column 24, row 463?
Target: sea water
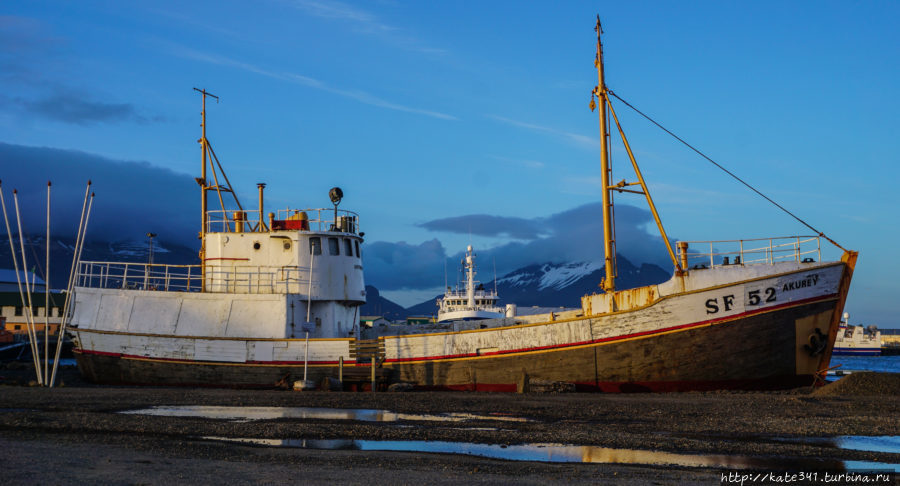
column 885, row 364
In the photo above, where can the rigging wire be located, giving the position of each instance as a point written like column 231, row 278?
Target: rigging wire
column 767, row 198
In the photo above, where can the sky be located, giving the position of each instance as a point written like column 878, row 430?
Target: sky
column 449, row 123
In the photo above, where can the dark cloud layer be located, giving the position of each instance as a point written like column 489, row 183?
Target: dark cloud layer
column 70, row 107
column 487, row 225
column 570, row 236
column 132, row 198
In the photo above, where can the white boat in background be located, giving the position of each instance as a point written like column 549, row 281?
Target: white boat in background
column 857, row 340
column 471, row 303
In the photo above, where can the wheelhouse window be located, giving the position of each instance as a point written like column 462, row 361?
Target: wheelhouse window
column 19, row 310
column 333, row 247
column 348, row 247
column 315, row 245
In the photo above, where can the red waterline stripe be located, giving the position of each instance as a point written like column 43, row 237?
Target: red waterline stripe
column 618, row 338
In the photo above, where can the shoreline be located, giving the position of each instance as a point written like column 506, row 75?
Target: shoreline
column 73, row 433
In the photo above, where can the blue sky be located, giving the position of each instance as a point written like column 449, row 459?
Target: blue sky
column 435, row 116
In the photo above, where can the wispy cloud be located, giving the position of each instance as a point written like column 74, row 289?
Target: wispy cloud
column 530, row 164
column 576, row 138
column 363, row 22
column 358, row 95
column 79, row 109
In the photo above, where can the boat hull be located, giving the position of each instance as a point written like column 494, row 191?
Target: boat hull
column 122, row 370
column 753, row 352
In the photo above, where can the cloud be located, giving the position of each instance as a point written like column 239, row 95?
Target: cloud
column 363, row 22
column 132, row 198
column 574, row 235
column 487, row 225
column 358, row 95
column 391, row 266
column 78, row 109
column 578, row 139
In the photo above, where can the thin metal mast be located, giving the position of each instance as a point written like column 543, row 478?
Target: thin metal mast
column 203, row 188
column 609, row 282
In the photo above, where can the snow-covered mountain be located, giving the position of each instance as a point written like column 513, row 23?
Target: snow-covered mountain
column 560, row 284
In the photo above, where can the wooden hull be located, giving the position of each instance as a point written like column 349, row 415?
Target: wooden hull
column 756, row 352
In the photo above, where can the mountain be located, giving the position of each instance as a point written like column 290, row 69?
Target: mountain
column 62, row 249
column 559, row 284
column 376, row 305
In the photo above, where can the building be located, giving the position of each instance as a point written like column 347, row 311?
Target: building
column 373, row 321
column 9, row 282
column 14, row 312
column 420, row 320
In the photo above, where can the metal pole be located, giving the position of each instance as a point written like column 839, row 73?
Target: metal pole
column 306, row 358
column 373, row 374
column 341, row 369
column 29, row 318
column 82, row 229
column 312, row 256
column 70, row 285
column 609, row 284
column 47, row 296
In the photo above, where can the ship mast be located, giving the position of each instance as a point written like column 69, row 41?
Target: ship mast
column 204, row 144
column 609, row 282
column 609, row 243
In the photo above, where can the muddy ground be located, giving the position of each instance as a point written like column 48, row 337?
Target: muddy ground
column 73, row 434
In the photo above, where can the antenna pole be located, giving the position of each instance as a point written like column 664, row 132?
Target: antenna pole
column 609, row 282
column 204, row 144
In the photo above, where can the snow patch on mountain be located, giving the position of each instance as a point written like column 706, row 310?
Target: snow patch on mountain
column 558, row 277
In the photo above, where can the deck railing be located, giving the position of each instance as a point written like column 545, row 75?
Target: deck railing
column 189, row 278
column 319, row 219
column 751, row 252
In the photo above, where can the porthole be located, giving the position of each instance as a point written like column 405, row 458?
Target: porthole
column 256, row 245
column 287, row 245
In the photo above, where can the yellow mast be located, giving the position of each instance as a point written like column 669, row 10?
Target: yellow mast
column 203, row 188
column 609, row 244
column 609, row 282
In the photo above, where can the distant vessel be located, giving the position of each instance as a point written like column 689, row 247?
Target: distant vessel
column 857, row 340
column 471, row 303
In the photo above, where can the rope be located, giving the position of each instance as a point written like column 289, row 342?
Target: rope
column 767, row 198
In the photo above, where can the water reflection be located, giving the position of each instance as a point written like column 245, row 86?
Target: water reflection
column 246, row 414
column 551, row 453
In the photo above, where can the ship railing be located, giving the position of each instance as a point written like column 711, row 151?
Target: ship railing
column 757, row 251
column 248, row 221
column 189, row 278
column 261, row 280
column 139, row 276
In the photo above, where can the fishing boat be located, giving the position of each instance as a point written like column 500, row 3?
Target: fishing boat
column 742, row 314
column 857, row 340
column 268, row 303
column 274, row 299
column 472, row 302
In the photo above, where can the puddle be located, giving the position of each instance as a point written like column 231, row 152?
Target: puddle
column 865, row 443
column 559, row 453
column 883, row 443
column 247, row 414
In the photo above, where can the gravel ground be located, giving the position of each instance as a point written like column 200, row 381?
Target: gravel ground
column 73, row 434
